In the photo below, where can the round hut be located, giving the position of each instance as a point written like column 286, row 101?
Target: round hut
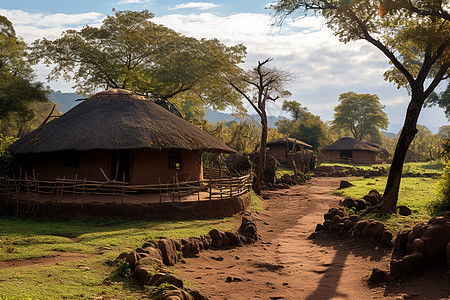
column 349, row 150
column 122, row 134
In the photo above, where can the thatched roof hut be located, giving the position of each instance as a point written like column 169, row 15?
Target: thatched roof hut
column 121, row 132
column 283, row 148
column 118, row 119
column 348, row 149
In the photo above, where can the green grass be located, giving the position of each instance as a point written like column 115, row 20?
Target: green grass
column 435, row 167
column 32, row 238
column 417, row 193
column 256, row 203
column 281, row 171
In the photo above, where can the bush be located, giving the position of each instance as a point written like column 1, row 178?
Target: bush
column 6, row 158
column 443, row 189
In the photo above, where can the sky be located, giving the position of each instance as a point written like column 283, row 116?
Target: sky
column 323, row 67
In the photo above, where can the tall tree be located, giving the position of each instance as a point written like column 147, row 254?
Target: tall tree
column 266, row 84
column 129, row 51
column 361, row 114
column 17, row 88
column 416, row 43
column 304, row 125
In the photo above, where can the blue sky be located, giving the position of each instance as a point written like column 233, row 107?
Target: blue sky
column 323, row 67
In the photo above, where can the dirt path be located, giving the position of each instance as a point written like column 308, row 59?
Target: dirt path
column 286, row 265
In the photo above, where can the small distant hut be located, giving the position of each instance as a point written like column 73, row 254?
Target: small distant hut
column 122, row 134
column 349, row 150
column 287, row 149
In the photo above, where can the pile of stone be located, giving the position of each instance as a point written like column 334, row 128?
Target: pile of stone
column 148, row 263
column 340, row 171
column 371, row 199
column 337, row 223
column 425, row 244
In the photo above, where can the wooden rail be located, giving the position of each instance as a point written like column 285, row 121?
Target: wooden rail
column 31, row 191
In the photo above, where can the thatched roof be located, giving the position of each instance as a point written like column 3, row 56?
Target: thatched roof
column 348, row 143
column 282, row 141
column 117, row 119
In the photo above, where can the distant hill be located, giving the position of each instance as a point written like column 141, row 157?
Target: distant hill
column 216, row 116
column 389, row 134
column 65, row 100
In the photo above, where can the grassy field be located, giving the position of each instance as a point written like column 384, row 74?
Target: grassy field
column 28, row 239
column 416, row 193
column 411, row 167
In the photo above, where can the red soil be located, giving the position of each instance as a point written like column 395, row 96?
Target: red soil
column 284, row 264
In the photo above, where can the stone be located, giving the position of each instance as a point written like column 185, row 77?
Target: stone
column 345, row 184
column 215, row 234
column 417, row 232
column 234, row 237
column 377, row 276
column 170, row 279
column 448, row 256
column 319, row 227
column 406, row 266
column 376, row 229
column 386, row 238
column 155, row 278
column 360, row 204
column 177, row 244
column 349, row 203
column 145, row 269
column 326, row 224
column 400, row 244
column 196, row 294
column 359, row 227
column 340, row 213
column 328, row 216
column 122, row 255
column 435, row 240
column 372, row 198
column 132, row 259
column 168, row 251
column 403, row 210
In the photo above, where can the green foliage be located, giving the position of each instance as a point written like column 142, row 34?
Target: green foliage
column 443, row 188
column 129, row 51
column 17, row 89
column 361, row 114
column 304, row 125
column 6, row 158
column 442, row 100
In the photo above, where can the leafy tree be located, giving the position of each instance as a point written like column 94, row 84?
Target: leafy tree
column 17, row 88
column 266, row 84
column 425, row 146
column 304, row 125
column 361, row 114
column 129, row 51
column 444, row 132
column 442, row 100
column 415, row 42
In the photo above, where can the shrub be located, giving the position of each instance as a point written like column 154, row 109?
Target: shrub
column 6, row 158
column 443, row 189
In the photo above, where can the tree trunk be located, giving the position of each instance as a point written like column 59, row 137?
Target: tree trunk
column 262, row 155
column 409, row 130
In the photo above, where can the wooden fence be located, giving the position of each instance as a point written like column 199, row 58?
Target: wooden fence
column 31, row 192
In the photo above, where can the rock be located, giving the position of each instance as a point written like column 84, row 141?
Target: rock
column 145, row 270
column 377, row 276
column 177, row 244
column 345, row 184
column 340, row 213
column 132, row 259
column 155, row 278
column 234, row 237
column 324, row 169
column 349, row 203
column 400, row 244
column 372, row 198
column 359, row 227
column 417, row 232
column 326, row 224
column 448, row 256
column 233, row 279
column 328, row 216
column 376, row 229
column 406, row 266
column 435, row 239
column 215, row 234
column 170, row 279
column 196, row 294
column 386, row 238
column 168, row 251
column 403, row 210
column 319, row 227
column 360, row 204
column 226, row 240
column 122, row 255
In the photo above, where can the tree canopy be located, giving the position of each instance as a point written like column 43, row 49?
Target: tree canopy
column 361, row 114
column 442, row 100
column 129, row 51
column 414, row 37
column 17, row 88
column 304, row 125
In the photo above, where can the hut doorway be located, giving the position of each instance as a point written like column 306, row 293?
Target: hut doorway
column 346, row 154
column 120, row 165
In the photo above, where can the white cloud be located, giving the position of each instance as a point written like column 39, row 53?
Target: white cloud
column 199, row 5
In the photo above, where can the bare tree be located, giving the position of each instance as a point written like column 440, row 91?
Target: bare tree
column 265, row 84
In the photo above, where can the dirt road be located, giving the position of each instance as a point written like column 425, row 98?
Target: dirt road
column 284, row 264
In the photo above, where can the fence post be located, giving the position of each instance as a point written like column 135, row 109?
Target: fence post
column 82, row 195
column 160, row 190
column 210, row 185
column 75, row 188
